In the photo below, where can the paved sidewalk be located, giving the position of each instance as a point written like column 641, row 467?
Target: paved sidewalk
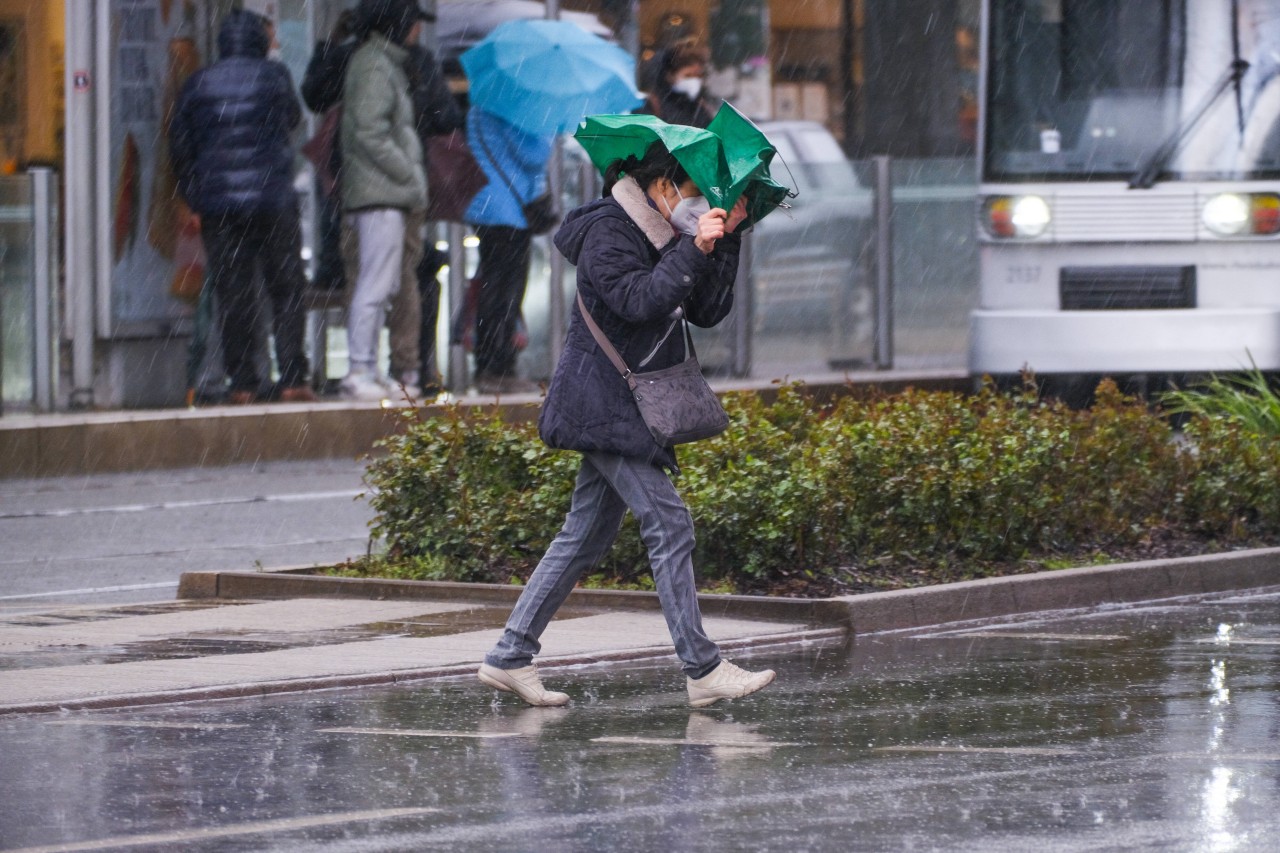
column 236, row 634
column 111, row 657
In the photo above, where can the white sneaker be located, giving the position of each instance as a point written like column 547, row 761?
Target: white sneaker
column 362, row 386
column 523, row 682
column 726, row 682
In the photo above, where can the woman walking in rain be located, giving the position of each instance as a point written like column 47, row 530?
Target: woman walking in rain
column 646, row 252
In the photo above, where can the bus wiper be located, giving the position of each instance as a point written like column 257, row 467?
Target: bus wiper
column 1145, row 177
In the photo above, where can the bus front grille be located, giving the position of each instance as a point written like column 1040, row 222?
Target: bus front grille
column 1126, row 288
column 1162, row 216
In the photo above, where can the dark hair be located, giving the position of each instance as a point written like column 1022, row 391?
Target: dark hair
column 657, row 162
column 392, row 18
column 679, row 55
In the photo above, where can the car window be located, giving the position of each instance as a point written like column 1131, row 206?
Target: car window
column 828, row 169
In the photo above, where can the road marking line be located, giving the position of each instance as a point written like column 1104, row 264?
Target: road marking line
column 146, row 724
column 1237, row 641
column 419, row 733
column 253, row 828
column 91, row 590
column 165, row 505
column 1015, row 635
column 1262, row 756
column 680, row 741
column 994, row 750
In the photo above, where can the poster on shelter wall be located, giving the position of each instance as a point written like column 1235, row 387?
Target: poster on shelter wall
column 13, row 83
column 157, row 262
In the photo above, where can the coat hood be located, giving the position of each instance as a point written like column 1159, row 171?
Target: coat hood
column 243, row 34
column 573, row 231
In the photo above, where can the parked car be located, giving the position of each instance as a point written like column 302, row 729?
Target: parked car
column 809, row 265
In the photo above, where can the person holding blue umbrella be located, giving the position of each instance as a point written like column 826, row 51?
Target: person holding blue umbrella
column 515, row 162
column 529, row 81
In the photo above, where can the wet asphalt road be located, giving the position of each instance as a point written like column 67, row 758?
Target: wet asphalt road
column 123, row 538
column 1138, row 728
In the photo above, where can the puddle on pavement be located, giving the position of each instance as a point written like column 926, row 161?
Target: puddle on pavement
column 217, row 643
column 461, row 621
column 82, row 615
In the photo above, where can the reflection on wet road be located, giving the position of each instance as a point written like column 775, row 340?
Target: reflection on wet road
column 1131, row 728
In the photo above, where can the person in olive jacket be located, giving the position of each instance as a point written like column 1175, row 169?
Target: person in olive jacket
column 231, row 152
column 641, row 267
column 384, row 183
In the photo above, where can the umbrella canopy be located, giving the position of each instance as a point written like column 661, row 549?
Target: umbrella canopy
column 463, row 23
column 748, row 153
column 614, row 137
column 544, row 76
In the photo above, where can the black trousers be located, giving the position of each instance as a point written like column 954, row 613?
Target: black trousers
column 233, row 243
column 504, row 272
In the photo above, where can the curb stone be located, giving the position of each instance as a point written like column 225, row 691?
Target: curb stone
column 895, row 610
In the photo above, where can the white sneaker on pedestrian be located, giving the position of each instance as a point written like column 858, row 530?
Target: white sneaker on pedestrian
column 363, row 387
column 726, row 682
column 523, row 682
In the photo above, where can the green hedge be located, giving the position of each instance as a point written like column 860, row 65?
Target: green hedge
column 797, row 491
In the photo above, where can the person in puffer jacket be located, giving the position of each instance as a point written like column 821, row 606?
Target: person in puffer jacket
column 231, row 152
column 643, row 258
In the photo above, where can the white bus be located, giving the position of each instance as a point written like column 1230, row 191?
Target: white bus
column 1130, row 188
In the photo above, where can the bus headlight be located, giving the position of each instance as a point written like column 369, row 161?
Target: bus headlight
column 1226, row 214
column 1236, row 214
column 1024, row 216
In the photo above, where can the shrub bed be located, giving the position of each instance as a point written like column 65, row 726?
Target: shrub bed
column 801, row 497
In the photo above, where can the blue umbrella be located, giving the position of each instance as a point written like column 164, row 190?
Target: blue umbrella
column 545, row 76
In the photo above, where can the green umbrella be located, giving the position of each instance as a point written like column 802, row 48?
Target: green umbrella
column 748, row 153
column 613, row 137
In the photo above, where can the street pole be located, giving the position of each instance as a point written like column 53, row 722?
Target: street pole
column 884, row 262
column 555, row 306
column 81, row 232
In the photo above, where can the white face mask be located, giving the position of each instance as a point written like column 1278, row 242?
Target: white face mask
column 687, row 212
column 690, row 87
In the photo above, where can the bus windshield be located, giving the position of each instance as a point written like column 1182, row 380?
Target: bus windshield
column 1082, row 90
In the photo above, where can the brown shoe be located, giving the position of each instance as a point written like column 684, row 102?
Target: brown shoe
column 298, row 394
column 241, row 398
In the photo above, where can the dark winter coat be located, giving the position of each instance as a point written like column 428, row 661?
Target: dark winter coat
column 633, row 276
column 229, row 138
column 678, row 108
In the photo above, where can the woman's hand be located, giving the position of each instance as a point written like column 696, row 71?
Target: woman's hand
column 716, row 222
column 737, row 215
column 711, row 227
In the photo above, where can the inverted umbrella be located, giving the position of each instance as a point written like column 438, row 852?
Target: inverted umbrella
column 607, row 138
column 544, row 76
column 748, row 154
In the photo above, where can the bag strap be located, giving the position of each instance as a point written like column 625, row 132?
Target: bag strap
column 494, row 160
column 612, row 352
column 603, row 341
